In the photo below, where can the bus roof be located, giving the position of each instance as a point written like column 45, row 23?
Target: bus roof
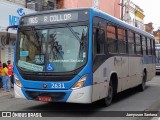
column 99, row 13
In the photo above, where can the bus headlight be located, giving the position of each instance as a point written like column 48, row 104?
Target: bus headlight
column 17, row 81
column 80, row 82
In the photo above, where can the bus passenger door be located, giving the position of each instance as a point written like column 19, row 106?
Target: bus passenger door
column 122, row 59
column 99, row 69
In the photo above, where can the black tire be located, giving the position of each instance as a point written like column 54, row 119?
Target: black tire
column 108, row 100
column 143, row 85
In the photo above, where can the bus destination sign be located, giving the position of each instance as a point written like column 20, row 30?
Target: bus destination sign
column 51, row 18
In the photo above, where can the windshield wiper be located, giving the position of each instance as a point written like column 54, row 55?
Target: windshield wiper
column 73, row 32
column 81, row 40
column 34, row 33
column 37, row 38
column 55, row 47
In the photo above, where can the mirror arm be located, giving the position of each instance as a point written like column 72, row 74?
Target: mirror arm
column 8, row 34
column 13, row 26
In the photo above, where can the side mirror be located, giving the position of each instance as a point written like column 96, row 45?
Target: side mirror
column 8, row 34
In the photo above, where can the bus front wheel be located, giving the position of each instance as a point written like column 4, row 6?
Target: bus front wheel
column 108, row 100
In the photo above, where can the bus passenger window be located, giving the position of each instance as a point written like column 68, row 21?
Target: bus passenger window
column 144, row 45
column 131, row 43
column 149, row 46
column 99, row 38
column 122, row 43
column 138, row 44
column 111, row 39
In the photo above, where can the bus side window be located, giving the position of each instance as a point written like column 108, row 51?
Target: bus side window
column 144, row 45
column 111, row 38
column 131, row 43
column 149, row 47
column 99, row 40
column 138, row 44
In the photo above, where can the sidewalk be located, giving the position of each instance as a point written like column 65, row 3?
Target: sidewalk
column 155, row 118
column 2, row 93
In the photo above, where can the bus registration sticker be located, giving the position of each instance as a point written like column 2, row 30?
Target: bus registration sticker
column 30, row 66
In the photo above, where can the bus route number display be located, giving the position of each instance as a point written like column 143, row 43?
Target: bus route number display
column 51, row 18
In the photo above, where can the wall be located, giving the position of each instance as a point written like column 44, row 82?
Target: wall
column 77, row 3
column 109, row 6
column 17, row 2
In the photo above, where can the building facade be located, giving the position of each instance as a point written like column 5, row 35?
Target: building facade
column 157, row 36
column 133, row 14
column 149, row 27
column 15, row 2
column 10, row 15
column 111, row 7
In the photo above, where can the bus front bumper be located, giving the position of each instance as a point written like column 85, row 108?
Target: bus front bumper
column 81, row 95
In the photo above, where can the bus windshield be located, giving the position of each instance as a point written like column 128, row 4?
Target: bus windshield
column 57, row 49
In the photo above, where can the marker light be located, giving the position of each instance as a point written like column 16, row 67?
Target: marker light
column 17, row 81
column 80, row 82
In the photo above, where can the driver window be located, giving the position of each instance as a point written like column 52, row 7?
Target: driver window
column 99, row 38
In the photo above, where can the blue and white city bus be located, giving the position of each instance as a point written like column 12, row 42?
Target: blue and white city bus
column 80, row 56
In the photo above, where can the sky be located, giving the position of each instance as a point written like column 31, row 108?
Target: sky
column 151, row 10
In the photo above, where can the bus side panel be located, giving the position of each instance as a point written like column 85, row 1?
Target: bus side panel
column 82, row 95
column 128, row 69
column 101, row 80
column 135, row 71
column 101, row 76
column 148, row 64
column 122, row 70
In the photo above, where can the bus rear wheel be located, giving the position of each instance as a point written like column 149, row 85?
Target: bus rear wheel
column 108, row 100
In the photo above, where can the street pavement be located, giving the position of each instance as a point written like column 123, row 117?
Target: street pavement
column 130, row 100
column 3, row 93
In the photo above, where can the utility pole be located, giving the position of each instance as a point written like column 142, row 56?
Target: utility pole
column 122, row 5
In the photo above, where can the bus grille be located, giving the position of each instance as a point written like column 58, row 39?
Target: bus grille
column 56, row 96
column 47, row 78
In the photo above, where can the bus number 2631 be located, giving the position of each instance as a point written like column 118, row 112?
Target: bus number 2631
column 58, row 85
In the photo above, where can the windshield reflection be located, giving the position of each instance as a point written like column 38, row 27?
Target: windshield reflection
column 55, row 50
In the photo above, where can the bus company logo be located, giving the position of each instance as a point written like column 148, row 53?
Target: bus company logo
column 44, row 85
column 20, row 12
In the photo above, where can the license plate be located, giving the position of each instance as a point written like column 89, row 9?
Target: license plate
column 44, row 98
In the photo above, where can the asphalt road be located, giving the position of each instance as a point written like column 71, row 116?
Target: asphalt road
column 130, row 100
